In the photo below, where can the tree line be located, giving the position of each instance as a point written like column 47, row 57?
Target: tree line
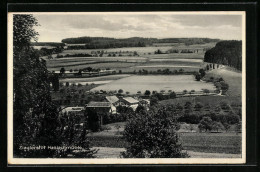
column 226, row 53
column 105, row 42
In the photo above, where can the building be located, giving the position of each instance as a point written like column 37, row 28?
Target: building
column 100, row 108
column 67, row 110
column 130, row 102
column 113, row 100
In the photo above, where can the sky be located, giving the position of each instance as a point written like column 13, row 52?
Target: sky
column 55, row 27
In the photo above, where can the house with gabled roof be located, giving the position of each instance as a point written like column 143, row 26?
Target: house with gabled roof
column 129, row 101
column 113, row 100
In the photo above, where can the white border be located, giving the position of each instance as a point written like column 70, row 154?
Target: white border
column 32, row 161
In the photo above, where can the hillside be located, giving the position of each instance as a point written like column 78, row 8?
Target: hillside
column 105, row 42
column 227, row 53
column 47, row 44
column 233, row 78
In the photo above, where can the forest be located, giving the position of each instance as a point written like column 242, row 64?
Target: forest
column 226, row 53
column 104, row 42
column 47, row 44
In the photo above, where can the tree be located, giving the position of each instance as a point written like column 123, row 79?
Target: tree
column 197, row 77
column 226, row 53
column 80, row 73
column 202, row 73
column 35, row 116
column 217, row 126
column 226, row 126
column 205, row 124
column 198, row 106
column 89, row 69
column 62, row 70
column 172, row 95
column 153, row 101
column 238, row 127
column 152, row 135
column 73, row 137
column 206, row 91
column 147, row 92
column 224, row 87
column 185, row 91
column 120, row 91
column 207, row 67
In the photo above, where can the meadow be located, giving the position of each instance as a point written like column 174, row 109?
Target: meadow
column 94, row 80
column 228, row 143
column 146, row 59
column 176, row 83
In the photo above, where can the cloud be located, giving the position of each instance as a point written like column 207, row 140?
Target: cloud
column 57, row 27
column 208, row 20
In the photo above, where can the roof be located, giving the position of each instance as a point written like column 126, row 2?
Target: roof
column 98, row 104
column 73, row 109
column 112, row 99
column 76, row 108
column 130, row 100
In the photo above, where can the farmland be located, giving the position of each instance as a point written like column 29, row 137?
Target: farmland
column 129, row 78
column 101, row 79
column 124, row 60
column 229, row 143
column 177, row 83
column 234, row 80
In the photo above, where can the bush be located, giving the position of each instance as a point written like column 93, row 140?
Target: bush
column 152, row 135
column 205, row 124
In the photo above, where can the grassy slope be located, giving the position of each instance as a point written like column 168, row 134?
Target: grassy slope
column 128, row 64
column 234, row 80
column 198, row 142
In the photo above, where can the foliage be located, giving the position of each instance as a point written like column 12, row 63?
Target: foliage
column 105, row 42
column 197, row 77
column 205, row 124
column 226, row 53
column 35, row 116
column 217, row 126
column 152, row 135
column 202, row 73
column 147, row 92
column 75, row 134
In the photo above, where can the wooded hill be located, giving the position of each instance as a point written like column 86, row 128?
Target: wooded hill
column 105, row 42
column 54, row 44
column 226, row 53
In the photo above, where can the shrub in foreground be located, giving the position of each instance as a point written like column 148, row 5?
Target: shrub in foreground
column 152, row 134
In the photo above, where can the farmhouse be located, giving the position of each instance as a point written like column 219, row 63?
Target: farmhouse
column 100, row 109
column 113, row 100
column 76, row 109
column 129, row 101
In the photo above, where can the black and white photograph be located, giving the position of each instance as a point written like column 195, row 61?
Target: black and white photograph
column 126, row 87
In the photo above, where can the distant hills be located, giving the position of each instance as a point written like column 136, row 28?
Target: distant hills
column 54, row 44
column 106, row 42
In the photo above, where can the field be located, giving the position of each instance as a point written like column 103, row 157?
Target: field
column 228, row 143
column 176, row 83
column 94, row 80
column 146, row 59
column 233, row 97
column 233, row 78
